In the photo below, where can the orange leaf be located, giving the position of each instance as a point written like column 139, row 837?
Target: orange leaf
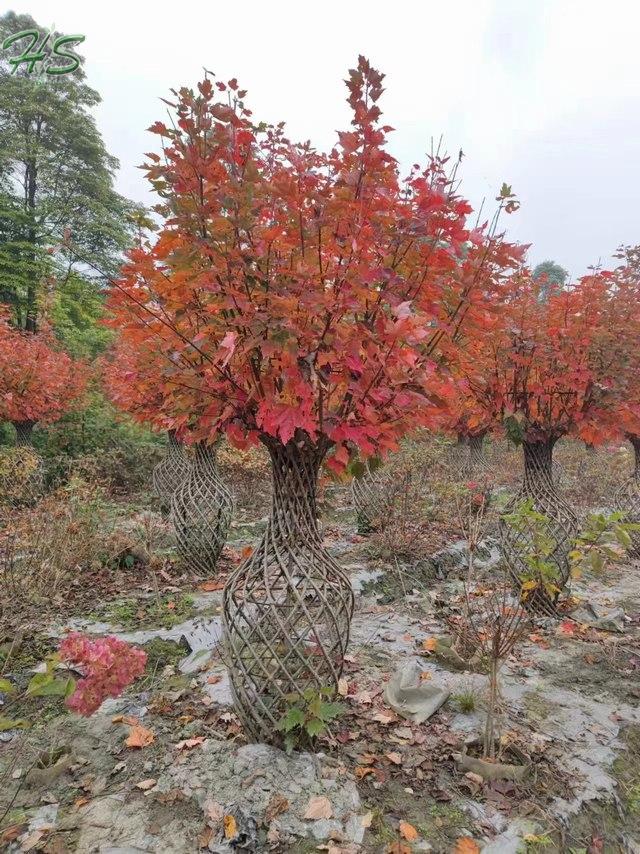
column 246, row 552
column 362, row 771
column 230, row 826
column 139, row 736
column 466, row 845
column 210, row 586
column 408, row 831
column 429, row 644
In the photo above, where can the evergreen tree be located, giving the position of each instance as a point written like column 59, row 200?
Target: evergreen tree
column 56, row 182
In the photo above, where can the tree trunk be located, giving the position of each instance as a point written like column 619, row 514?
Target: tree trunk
column 24, row 433
column 538, row 485
column 31, row 313
column 627, row 500
column 288, row 608
column 171, row 471
column 201, row 510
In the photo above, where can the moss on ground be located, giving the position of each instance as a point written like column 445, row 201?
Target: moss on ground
column 166, row 611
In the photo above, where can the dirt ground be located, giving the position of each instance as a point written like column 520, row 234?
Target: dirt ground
column 570, row 700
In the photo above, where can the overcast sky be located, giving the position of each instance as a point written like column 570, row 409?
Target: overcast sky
column 542, row 94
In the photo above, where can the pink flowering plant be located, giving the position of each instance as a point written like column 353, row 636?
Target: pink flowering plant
column 107, row 666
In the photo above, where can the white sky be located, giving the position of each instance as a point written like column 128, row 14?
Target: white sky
column 542, row 94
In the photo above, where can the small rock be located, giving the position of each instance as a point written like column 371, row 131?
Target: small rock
column 195, row 662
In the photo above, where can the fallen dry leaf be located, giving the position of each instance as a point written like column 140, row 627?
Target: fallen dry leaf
column 384, row 717
column 230, row 826
column 213, row 680
column 397, row 848
column 366, row 819
column 466, row 845
column 394, row 757
column 343, row 687
column 408, row 831
column 188, row 743
column 213, row 810
column 429, row 644
column 145, row 785
column 139, row 736
column 276, row 806
column 211, row 586
column 361, row 771
column 31, row 840
column 12, row 832
column 318, row 807
column 205, row 837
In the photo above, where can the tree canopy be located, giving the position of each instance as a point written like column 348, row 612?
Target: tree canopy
column 290, row 289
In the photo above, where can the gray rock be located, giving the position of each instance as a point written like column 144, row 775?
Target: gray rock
column 196, row 661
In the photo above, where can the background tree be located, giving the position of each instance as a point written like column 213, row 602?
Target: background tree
column 56, row 179
column 551, row 276
column 625, row 315
column 38, row 381
column 548, row 369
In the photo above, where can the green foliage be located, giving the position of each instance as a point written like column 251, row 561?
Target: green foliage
column 555, row 277
column 603, row 540
column 541, row 571
column 466, row 700
column 56, row 183
column 512, row 424
column 76, row 313
column 308, row 716
column 45, row 684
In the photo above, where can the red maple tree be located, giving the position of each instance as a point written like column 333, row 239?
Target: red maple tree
column 306, row 300
column 550, row 366
column 290, row 290
column 38, row 381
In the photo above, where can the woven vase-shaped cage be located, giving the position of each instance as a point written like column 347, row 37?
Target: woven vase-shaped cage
column 562, row 528
column 628, row 498
column 371, row 499
column 171, row 471
column 475, row 460
column 28, row 483
column 201, row 510
column 288, row 607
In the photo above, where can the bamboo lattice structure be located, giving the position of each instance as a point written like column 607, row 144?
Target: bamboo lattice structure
column 288, row 608
column 32, row 488
column 370, row 498
column 171, row 471
column 201, row 510
column 562, row 527
column 475, row 461
column 627, row 499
